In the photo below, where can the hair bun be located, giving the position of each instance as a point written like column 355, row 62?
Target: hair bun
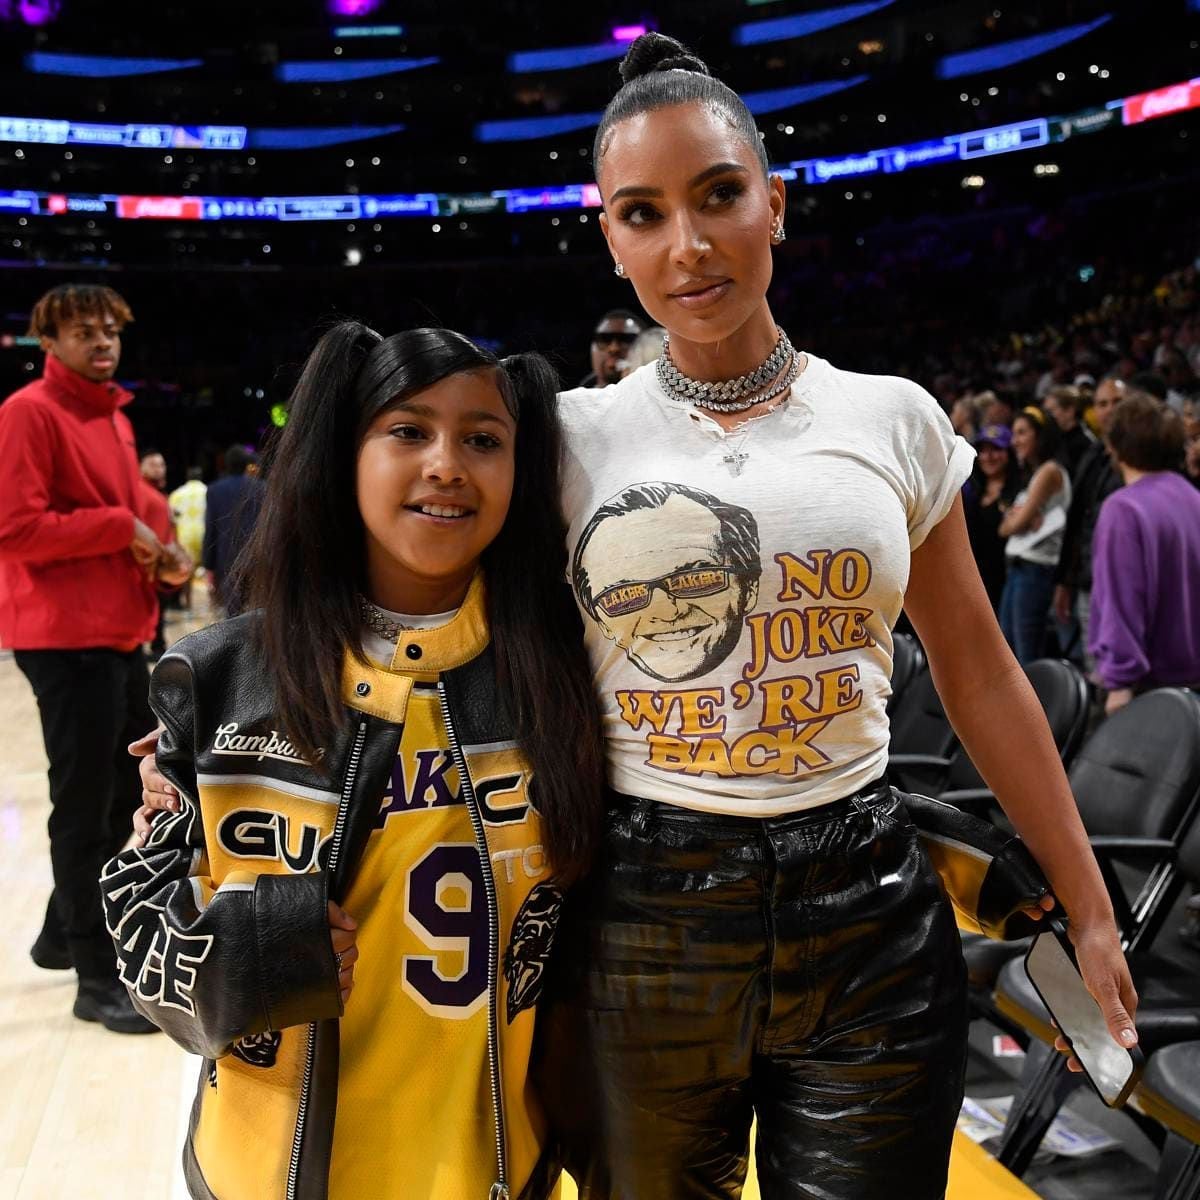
column 657, row 52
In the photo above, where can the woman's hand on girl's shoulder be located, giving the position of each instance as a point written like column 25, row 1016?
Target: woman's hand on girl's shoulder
column 344, row 937
column 157, row 793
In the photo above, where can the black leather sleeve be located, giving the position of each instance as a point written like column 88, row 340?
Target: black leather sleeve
column 208, row 960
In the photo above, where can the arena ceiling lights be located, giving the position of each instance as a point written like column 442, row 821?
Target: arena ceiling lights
column 785, row 29
column 529, row 128
column 104, row 66
column 564, row 58
column 1006, row 54
column 340, row 70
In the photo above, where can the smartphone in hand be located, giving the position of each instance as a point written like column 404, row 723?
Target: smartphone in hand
column 1112, row 1069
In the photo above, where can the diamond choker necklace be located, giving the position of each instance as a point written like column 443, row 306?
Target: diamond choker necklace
column 379, row 622
column 730, row 395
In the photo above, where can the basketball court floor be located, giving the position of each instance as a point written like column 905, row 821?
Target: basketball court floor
column 88, row 1114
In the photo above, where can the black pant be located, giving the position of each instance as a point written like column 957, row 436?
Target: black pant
column 92, row 704
column 805, row 970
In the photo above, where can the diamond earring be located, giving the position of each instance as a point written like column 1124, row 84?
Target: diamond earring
column 777, row 233
column 619, row 271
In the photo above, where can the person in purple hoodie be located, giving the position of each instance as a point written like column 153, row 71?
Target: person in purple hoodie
column 1145, row 629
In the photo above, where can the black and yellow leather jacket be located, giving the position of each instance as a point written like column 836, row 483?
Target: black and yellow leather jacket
column 220, row 920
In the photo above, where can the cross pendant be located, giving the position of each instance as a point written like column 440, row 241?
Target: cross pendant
column 734, row 461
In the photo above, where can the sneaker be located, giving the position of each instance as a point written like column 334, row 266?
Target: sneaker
column 50, row 955
column 109, row 1004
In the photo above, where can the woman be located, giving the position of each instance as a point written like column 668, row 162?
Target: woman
column 763, row 934
column 1145, row 629
column 351, row 914
column 1034, row 529
column 987, row 496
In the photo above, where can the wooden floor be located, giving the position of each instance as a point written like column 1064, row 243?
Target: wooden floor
column 88, row 1114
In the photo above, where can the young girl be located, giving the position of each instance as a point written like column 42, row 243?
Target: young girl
column 1034, row 529
column 350, row 913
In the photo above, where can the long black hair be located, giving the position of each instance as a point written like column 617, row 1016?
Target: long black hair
column 304, row 566
column 659, row 72
column 1046, row 433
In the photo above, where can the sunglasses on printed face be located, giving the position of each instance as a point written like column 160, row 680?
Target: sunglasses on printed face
column 692, row 584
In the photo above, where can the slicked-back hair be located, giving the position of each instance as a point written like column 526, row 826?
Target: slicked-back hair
column 659, row 72
column 305, row 564
column 73, row 301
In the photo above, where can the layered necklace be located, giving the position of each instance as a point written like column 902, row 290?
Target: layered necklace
column 768, row 380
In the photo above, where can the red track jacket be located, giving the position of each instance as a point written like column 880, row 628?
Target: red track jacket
column 69, row 491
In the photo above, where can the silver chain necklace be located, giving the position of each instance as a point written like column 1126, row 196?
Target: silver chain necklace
column 375, row 619
column 737, row 458
column 725, row 395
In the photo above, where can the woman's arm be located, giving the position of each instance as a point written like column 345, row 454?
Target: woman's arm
column 1047, row 481
column 1000, row 723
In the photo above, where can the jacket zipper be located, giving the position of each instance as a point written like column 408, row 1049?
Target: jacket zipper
column 499, row 1189
column 335, row 844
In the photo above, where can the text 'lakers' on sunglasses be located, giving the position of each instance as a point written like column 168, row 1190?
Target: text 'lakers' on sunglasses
column 690, row 584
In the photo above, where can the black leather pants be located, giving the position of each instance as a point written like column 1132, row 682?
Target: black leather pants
column 805, row 970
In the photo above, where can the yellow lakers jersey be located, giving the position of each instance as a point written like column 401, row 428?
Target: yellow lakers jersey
column 414, row 1115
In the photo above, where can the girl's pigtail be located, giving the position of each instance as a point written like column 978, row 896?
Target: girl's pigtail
column 309, row 530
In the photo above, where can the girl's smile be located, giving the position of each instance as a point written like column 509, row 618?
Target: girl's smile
column 434, row 481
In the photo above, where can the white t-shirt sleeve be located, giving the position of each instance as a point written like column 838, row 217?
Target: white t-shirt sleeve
column 938, row 464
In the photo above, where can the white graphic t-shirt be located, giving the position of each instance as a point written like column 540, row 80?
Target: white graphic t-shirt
column 739, row 590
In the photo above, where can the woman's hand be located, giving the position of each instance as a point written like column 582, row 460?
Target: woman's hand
column 342, row 933
column 1106, row 974
column 1037, row 911
column 157, row 794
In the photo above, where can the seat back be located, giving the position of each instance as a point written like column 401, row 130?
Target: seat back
column 919, row 724
column 1139, row 773
column 908, row 660
column 1063, row 694
column 1189, row 854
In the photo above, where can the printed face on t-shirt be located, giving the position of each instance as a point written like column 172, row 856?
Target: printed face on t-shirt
column 669, row 574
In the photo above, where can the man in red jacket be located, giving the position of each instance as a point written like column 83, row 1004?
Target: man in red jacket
column 79, row 567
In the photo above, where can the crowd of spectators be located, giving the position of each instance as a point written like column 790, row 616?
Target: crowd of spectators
column 1084, row 506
